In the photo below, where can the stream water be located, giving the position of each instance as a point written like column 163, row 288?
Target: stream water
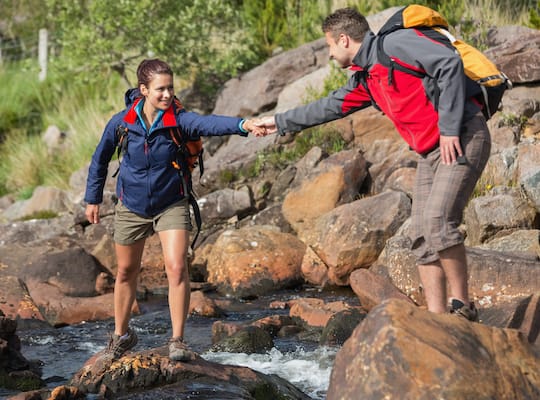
column 63, row 351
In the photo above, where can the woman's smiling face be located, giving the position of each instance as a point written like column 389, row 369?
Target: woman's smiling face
column 160, row 91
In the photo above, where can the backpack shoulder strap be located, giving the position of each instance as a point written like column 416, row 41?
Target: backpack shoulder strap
column 417, row 17
column 184, row 169
column 121, row 134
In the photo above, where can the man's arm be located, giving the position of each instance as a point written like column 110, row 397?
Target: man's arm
column 339, row 103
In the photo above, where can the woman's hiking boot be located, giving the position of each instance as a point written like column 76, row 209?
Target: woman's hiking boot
column 178, row 350
column 468, row 312
column 118, row 345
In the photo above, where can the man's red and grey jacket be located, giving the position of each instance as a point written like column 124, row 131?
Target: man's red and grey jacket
column 421, row 108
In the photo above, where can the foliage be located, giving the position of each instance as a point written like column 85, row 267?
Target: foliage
column 20, row 20
column 193, row 36
column 329, row 140
column 534, row 16
column 470, row 20
column 80, row 110
column 20, row 101
column 283, row 23
column 44, row 214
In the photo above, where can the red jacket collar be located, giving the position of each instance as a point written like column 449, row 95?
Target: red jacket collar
column 169, row 117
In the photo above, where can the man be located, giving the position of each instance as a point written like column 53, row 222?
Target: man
column 436, row 118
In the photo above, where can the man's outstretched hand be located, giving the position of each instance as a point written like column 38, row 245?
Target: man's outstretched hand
column 269, row 123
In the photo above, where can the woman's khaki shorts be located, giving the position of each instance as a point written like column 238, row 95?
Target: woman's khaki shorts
column 130, row 227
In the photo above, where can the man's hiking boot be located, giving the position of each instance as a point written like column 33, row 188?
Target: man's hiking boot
column 178, row 351
column 467, row 312
column 118, row 345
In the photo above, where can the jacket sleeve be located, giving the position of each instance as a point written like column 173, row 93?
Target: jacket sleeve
column 341, row 102
column 444, row 69
column 97, row 173
column 195, row 125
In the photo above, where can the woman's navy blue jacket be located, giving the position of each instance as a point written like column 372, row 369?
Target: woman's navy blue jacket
column 147, row 181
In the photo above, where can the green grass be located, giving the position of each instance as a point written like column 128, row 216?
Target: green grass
column 329, row 140
column 80, row 111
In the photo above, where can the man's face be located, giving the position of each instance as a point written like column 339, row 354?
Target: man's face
column 339, row 50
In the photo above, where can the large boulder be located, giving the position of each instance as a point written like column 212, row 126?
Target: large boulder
column 334, row 181
column 352, row 235
column 494, row 276
column 151, row 374
column 519, row 56
column 503, row 209
column 401, row 351
column 256, row 260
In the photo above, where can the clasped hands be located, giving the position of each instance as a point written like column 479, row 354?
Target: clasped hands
column 260, row 126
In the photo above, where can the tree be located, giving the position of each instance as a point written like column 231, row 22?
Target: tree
column 96, row 37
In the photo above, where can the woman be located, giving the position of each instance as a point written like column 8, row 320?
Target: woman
column 150, row 194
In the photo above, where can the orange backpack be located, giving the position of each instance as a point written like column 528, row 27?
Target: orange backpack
column 491, row 83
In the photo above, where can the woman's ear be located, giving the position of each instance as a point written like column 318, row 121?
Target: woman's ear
column 143, row 89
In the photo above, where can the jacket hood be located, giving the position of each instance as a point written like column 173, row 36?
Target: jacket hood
column 131, row 95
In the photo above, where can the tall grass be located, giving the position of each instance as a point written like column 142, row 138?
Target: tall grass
column 78, row 110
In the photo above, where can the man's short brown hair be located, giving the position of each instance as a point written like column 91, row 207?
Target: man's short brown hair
column 348, row 21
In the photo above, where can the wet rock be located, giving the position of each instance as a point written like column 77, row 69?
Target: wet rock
column 315, row 312
column 16, row 372
column 340, row 326
column 202, row 305
column 249, row 340
column 150, row 374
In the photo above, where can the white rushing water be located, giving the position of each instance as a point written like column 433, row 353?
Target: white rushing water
column 307, row 370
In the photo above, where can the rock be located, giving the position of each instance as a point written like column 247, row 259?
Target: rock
column 519, row 57
column 255, row 260
column 202, row 305
column 315, row 312
column 44, row 201
column 250, row 339
column 340, row 327
column 16, row 372
column 335, row 181
column 522, row 242
column 352, row 235
column 15, row 301
column 526, row 319
column 272, row 216
column 502, row 209
column 372, row 289
column 528, row 171
column 150, row 374
column 224, row 204
column 54, row 139
column 494, row 276
column 401, row 351
column 314, row 270
column 236, row 155
column 262, row 85
column 61, row 310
